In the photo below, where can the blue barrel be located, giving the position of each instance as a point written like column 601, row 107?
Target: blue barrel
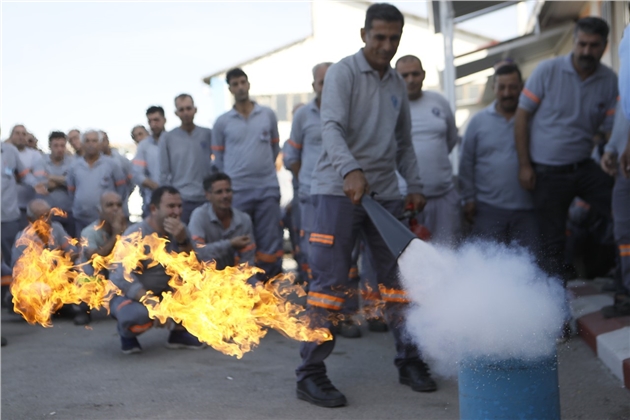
column 509, row 389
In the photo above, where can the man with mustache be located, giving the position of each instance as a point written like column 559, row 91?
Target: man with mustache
column 563, row 104
column 494, row 202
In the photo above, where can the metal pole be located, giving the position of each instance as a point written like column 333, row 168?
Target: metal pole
column 447, row 26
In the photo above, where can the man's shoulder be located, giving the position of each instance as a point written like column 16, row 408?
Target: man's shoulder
column 141, row 226
column 90, row 229
column 9, row 148
column 200, row 214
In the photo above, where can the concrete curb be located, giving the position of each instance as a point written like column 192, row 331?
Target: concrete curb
column 608, row 338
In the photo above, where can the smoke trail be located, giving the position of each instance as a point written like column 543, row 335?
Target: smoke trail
column 484, row 300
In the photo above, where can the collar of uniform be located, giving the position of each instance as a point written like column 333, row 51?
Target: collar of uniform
column 312, row 105
column 568, row 67
column 492, row 110
column 96, row 162
column 215, row 219
column 234, row 113
column 65, row 159
column 365, row 67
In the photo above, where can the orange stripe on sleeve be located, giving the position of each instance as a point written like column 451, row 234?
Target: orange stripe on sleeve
column 24, row 172
column 294, row 144
column 139, row 162
column 610, row 112
column 326, row 297
column 531, row 95
column 121, row 182
column 6, row 280
column 276, row 140
column 218, row 148
column 199, row 240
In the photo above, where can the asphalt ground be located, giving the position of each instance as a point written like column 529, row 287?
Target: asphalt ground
column 70, row 372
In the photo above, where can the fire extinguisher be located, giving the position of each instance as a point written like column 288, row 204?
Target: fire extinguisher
column 421, row 231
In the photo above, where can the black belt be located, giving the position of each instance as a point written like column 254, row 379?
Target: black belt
column 560, row 169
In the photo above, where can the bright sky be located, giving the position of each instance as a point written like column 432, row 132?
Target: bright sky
column 101, row 65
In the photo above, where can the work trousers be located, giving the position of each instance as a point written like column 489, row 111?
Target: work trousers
column 337, row 226
column 263, row 207
column 506, row 226
column 442, row 216
column 621, row 216
column 132, row 316
column 553, row 194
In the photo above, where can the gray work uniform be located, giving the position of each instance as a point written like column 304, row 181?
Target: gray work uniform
column 26, row 193
column 58, row 240
column 246, row 149
column 146, row 164
column 87, row 183
column 488, row 175
column 434, row 134
column 366, row 126
column 566, row 113
column 12, row 168
column 213, row 240
column 621, row 195
column 185, row 161
column 58, row 197
column 305, row 146
column 132, row 316
column 126, row 167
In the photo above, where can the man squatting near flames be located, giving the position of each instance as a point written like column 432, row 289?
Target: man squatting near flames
column 366, row 135
column 132, row 316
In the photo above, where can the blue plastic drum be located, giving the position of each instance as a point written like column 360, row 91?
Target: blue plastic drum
column 509, row 389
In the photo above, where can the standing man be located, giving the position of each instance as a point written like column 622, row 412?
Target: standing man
column 146, row 163
column 620, row 144
column 564, row 103
column 53, row 170
column 434, row 134
column 89, row 177
column 185, row 156
column 30, row 158
column 225, row 234
column 366, row 136
column 245, row 145
column 132, row 316
column 494, row 202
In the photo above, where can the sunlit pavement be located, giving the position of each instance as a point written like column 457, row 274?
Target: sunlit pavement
column 79, row 373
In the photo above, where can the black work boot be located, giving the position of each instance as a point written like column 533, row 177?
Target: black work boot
column 417, row 376
column 318, row 390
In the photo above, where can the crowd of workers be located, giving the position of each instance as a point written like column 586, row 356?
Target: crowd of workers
column 371, row 128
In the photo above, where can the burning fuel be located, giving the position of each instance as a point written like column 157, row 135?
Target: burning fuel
column 220, row 307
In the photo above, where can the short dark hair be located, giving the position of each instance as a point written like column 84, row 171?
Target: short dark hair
column 153, row 109
column 383, row 11
column 183, row 96
column 56, row 135
column 235, row 72
column 219, row 176
column 156, row 195
column 593, row 25
column 507, row 69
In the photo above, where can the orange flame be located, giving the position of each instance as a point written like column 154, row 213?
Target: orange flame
column 46, row 279
column 217, row 306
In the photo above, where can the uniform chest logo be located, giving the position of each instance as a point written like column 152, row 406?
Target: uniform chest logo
column 395, row 102
column 436, row 112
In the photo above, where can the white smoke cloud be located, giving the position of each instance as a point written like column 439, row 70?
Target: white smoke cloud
column 483, row 300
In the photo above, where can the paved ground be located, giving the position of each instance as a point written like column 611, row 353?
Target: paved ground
column 70, row 372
